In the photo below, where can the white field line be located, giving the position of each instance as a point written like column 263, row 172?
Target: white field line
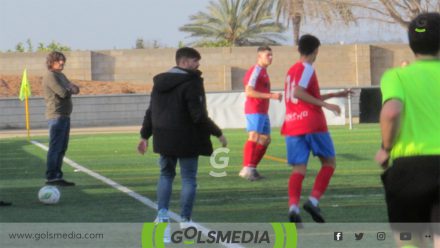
column 145, row 200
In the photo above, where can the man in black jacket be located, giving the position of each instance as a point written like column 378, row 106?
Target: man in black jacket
column 178, row 120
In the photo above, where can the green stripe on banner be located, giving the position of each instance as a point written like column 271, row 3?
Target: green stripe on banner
column 158, row 236
column 291, row 235
column 147, row 235
column 279, row 235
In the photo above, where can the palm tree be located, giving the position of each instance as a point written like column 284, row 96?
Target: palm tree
column 295, row 11
column 235, row 23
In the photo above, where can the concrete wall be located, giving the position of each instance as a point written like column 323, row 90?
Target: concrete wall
column 387, row 56
column 223, row 68
column 88, row 111
column 78, row 65
column 400, row 53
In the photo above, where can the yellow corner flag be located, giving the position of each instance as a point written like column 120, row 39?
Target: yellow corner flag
column 25, row 88
column 25, row 93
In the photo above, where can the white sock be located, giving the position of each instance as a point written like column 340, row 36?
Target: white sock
column 294, row 208
column 314, row 201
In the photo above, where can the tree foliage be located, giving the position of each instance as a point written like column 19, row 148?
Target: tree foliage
column 19, row 47
column 235, row 23
column 395, row 11
column 53, row 46
column 294, row 12
column 141, row 44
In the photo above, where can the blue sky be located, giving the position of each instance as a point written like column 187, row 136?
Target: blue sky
column 109, row 24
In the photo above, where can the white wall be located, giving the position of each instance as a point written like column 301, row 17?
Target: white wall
column 226, row 109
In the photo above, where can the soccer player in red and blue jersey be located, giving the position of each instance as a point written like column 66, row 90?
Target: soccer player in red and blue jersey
column 305, row 129
column 257, row 88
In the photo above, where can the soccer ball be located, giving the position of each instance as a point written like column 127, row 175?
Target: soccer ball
column 49, row 195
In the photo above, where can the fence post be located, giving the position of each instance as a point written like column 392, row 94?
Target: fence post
column 350, row 115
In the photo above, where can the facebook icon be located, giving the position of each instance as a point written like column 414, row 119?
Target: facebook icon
column 337, row 236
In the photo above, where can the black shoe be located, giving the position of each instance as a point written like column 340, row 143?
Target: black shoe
column 5, row 204
column 315, row 212
column 295, row 218
column 60, row 182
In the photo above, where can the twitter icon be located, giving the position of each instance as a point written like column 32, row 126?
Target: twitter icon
column 359, row 236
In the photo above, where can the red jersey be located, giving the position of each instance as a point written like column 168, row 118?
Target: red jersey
column 258, row 78
column 302, row 117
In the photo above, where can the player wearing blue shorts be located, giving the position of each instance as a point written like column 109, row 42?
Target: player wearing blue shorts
column 305, row 129
column 257, row 88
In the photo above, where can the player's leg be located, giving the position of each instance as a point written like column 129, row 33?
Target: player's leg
column 55, row 144
column 294, row 191
column 59, row 137
column 253, row 125
column 66, row 135
column 251, row 142
column 322, row 146
column 165, row 185
column 263, row 140
column 412, row 193
column 164, row 189
column 249, row 148
column 297, row 157
column 248, row 153
column 188, row 172
column 260, row 149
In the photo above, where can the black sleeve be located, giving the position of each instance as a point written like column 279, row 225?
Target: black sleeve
column 196, row 102
column 147, row 125
column 194, row 97
column 213, row 128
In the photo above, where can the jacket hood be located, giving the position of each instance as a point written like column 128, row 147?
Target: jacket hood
column 174, row 77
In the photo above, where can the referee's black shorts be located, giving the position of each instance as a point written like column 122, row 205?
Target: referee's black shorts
column 412, row 189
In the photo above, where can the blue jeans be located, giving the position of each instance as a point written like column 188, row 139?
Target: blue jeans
column 59, row 130
column 188, row 172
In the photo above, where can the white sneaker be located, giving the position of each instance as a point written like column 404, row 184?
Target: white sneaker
column 250, row 174
column 245, row 172
column 186, row 223
column 162, row 217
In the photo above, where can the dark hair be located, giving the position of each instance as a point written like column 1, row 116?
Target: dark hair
column 307, row 44
column 424, row 34
column 264, row 48
column 54, row 57
column 187, row 52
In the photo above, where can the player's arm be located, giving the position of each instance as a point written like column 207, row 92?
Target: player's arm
column 195, row 101
column 393, row 99
column 217, row 132
column 74, row 88
column 302, row 94
column 146, row 131
column 343, row 93
column 69, row 86
column 251, row 92
column 389, row 124
column 195, row 98
column 59, row 86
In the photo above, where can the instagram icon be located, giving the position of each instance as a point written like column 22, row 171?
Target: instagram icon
column 381, row 236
